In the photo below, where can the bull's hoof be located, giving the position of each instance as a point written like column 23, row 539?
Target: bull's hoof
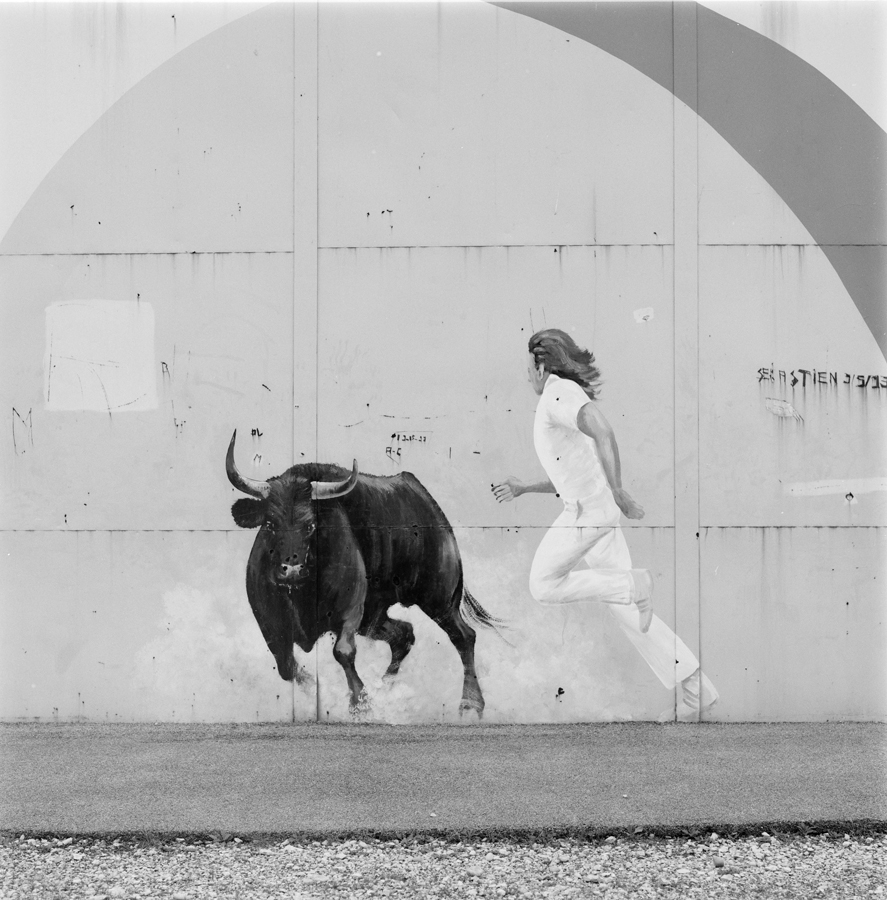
column 468, row 704
column 359, row 707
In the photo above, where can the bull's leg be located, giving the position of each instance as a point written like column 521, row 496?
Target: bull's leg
column 345, row 652
column 398, row 635
column 463, row 638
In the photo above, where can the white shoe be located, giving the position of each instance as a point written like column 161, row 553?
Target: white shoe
column 642, row 597
column 698, row 696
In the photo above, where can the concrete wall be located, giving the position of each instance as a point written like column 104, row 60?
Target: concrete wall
column 334, row 227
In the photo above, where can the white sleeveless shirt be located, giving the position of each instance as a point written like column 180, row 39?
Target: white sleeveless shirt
column 569, row 457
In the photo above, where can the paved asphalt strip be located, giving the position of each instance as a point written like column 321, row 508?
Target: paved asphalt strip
column 348, row 779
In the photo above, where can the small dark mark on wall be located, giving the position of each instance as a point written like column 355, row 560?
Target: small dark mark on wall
column 22, row 432
column 353, row 424
column 266, row 387
column 849, row 496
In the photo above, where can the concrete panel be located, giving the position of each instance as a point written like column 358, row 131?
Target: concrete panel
column 196, row 157
column 549, row 664
column 90, row 55
column 793, row 393
column 460, row 124
column 793, row 623
column 423, row 360
column 736, row 204
column 844, row 41
column 135, row 626
column 222, row 360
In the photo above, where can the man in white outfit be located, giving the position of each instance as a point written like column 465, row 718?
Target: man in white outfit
column 577, row 449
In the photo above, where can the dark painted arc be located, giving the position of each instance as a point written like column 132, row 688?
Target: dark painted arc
column 637, row 33
column 813, row 144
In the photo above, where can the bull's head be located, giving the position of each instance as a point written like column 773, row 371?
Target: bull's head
column 283, row 510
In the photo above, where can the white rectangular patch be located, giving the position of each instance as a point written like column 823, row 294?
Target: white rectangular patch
column 100, row 356
column 836, row 486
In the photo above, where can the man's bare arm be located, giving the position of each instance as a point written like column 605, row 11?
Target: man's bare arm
column 591, row 422
column 512, row 487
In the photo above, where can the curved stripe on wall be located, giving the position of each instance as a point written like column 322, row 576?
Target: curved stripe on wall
column 815, row 146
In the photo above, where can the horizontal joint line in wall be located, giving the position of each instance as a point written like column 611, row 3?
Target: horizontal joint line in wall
column 150, row 253
column 474, row 246
column 783, row 244
column 497, row 527
column 783, row 527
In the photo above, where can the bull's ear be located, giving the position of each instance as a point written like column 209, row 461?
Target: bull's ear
column 248, row 513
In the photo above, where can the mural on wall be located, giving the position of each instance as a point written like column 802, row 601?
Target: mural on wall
column 320, row 216
column 577, row 448
column 336, row 550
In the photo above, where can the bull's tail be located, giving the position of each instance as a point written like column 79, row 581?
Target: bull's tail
column 476, row 613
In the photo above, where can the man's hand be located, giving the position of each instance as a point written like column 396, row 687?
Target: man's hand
column 509, row 489
column 629, row 508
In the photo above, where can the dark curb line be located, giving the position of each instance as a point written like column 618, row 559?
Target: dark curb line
column 828, row 828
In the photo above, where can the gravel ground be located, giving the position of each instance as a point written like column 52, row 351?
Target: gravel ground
column 220, row 866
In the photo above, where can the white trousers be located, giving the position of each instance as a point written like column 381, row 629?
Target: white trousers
column 608, row 580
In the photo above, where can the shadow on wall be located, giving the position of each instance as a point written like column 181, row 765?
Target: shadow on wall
column 211, row 664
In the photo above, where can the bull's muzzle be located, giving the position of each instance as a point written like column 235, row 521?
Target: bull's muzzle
column 286, row 572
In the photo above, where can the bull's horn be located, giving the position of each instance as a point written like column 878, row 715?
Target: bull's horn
column 327, row 490
column 251, row 486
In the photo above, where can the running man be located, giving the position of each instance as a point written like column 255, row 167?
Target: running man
column 577, row 449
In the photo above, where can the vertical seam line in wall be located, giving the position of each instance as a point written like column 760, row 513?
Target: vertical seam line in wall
column 698, row 372
column 316, row 301
column 293, row 257
column 674, row 336
column 293, row 312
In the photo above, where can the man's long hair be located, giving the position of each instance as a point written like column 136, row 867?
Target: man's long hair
column 562, row 356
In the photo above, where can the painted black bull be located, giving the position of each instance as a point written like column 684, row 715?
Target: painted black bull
column 335, row 550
